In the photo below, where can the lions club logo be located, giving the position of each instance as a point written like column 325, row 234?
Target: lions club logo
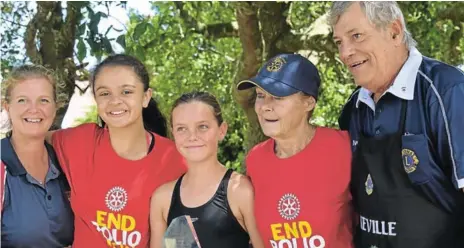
column 410, row 160
column 369, row 185
column 116, row 199
column 289, row 207
column 276, row 64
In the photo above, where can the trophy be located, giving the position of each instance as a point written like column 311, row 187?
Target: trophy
column 181, row 234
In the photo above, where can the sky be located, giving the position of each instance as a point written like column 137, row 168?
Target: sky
column 118, row 17
column 81, row 103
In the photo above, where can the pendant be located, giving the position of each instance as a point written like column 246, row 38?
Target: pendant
column 369, row 185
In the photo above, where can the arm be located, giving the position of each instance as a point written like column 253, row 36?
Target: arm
column 159, row 206
column 244, row 196
column 447, row 128
column 48, row 137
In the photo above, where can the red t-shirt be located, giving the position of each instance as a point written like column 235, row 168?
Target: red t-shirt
column 110, row 195
column 304, row 201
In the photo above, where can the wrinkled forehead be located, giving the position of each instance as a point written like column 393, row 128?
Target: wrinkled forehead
column 351, row 20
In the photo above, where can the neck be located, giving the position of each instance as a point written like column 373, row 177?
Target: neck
column 293, row 144
column 197, row 170
column 400, row 60
column 32, row 153
column 129, row 142
column 33, row 146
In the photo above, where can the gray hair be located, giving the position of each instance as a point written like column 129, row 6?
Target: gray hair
column 378, row 13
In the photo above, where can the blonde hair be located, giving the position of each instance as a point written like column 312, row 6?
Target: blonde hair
column 26, row 72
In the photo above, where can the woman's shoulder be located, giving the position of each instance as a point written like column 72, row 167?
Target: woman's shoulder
column 81, row 131
column 162, row 142
column 333, row 135
column 261, row 147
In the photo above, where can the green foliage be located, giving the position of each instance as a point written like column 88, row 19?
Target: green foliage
column 90, row 117
column 182, row 60
column 12, row 30
column 438, row 29
column 183, row 55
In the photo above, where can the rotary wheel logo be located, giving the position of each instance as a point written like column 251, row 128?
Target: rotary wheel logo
column 116, row 199
column 289, row 207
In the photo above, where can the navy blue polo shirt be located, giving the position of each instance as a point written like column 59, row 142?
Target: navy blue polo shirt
column 433, row 139
column 35, row 215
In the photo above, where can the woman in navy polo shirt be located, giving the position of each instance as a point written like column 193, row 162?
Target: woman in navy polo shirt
column 35, row 207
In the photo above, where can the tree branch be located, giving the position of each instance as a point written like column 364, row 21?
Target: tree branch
column 29, row 41
column 12, row 22
column 219, row 30
column 82, row 91
column 120, row 22
column 273, row 22
column 215, row 31
column 250, row 38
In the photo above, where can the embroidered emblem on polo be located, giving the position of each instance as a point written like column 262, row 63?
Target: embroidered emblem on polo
column 369, row 185
column 410, row 160
column 116, row 199
column 276, row 64
column 289, row 207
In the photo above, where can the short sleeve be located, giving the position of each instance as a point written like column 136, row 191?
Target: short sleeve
column 342, row 173
column 173, row 163
column 71, row 142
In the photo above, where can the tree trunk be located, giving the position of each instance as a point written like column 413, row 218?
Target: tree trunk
column 56, row 38
column 261, row 25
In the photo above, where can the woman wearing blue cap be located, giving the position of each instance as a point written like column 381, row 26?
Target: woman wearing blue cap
column 301, row 174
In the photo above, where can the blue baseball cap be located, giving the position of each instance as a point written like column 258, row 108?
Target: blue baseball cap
column 285, row 75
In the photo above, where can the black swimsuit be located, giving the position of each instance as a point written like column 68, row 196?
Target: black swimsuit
column 214, row 222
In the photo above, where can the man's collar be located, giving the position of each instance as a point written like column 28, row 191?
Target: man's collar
column 405, row 81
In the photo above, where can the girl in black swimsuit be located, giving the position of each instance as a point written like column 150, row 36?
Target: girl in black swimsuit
column 218, row 200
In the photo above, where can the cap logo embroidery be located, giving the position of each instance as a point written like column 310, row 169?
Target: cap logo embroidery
column 276, row 64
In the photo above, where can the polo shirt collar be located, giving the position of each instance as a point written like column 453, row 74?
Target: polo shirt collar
column 14, row 165
column 10, row 158
column 403, row 85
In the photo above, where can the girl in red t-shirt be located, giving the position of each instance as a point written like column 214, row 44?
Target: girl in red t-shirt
column 114, row 169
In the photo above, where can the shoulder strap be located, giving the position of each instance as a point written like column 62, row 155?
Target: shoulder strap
column 225, row 181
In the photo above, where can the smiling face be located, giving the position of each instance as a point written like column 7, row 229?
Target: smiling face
column 31, row 107
column 279, row 117
column 196, row 131
column 120, row 96
column 370, row 53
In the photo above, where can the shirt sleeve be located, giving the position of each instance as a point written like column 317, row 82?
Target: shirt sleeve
column 71, row 142
column 344, row 119
column 447, row 118
column 174, row 165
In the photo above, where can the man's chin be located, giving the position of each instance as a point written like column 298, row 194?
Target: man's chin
column 362, row 83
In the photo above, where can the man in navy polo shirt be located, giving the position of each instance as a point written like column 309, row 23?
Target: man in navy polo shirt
column 407, row 128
